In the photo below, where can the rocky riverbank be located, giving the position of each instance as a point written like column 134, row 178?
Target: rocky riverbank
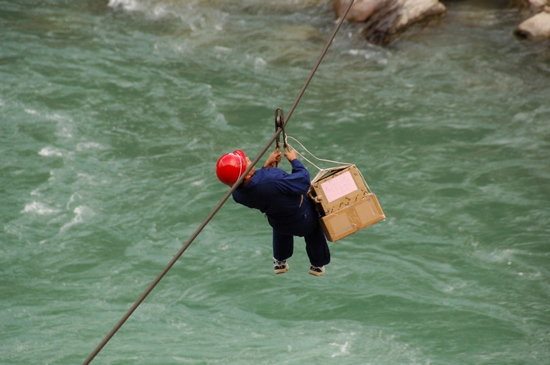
column 385, row 20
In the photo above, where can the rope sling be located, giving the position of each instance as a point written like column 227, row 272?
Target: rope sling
column 279, row 130
column 322, row 171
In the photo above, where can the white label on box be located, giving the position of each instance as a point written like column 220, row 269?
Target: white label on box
column 339, row 186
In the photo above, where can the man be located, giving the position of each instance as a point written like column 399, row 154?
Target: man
column 282, row 197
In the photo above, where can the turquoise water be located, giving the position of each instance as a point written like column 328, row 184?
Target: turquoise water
column 113, row 114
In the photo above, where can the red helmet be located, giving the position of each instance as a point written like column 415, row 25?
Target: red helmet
column 231, row 166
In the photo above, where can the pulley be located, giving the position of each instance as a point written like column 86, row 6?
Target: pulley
column 280, row 123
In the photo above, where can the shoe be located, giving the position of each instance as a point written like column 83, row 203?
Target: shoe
column 280, row 267
column 317, row 270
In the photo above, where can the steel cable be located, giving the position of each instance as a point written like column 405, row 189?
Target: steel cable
column 222, row 201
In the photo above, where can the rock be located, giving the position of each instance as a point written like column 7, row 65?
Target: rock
column 386, row 19
column 361, row 10
column 533, row 5
column 537, row 5
column 536, row 27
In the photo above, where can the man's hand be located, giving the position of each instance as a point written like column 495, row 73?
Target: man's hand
column 273, row 159
column 290, row 155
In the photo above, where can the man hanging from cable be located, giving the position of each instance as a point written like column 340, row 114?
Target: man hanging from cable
column 282, row 197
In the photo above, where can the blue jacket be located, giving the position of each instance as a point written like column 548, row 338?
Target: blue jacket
column 278, row 194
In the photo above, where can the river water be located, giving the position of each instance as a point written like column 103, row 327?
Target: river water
column 113, row 114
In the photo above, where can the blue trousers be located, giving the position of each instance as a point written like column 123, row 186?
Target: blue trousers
column 306, row 225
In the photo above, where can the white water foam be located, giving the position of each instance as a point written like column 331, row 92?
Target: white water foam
column 130, row 5
column 65, row 125
column 90, row 146
column 50, row 152
column 80, row 213
column 38, row 208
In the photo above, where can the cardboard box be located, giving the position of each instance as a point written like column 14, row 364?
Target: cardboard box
column 352, row 218
column 344, row 201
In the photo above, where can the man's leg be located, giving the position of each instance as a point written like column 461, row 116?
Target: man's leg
column 317, row 248
column 283, row 246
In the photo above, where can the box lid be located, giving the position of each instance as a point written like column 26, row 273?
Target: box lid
column 336, row 188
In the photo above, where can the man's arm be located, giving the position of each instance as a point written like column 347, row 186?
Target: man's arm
column 298, row 181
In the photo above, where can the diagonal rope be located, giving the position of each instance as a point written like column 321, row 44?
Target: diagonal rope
column 219, row 205
column 314, row 69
